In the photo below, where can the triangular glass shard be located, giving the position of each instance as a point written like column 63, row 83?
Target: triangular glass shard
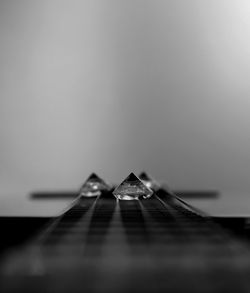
column 132, row 188
column 149, row 181
column 93, row 186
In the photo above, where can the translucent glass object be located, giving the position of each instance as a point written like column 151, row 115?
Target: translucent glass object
column 131, row 189
column 93, row 186
column 149, row 181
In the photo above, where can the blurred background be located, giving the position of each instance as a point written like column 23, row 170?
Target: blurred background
column 115, row 86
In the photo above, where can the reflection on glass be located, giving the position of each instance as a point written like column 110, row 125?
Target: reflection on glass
column 132, row 188
column 93, row 186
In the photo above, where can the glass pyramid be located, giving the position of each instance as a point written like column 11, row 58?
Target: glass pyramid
column 149, row 181
column 132, row 188
column 93, row 186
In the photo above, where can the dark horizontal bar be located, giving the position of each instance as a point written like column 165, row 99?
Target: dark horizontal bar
column 72, row 194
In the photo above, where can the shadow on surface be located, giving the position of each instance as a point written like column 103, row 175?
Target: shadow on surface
column 133, row 222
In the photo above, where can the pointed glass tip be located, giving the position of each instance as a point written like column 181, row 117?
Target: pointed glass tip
column 149, row 181
column 93, row 186
column 132, row 188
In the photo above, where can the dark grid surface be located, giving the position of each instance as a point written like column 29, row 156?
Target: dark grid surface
column 153, row 245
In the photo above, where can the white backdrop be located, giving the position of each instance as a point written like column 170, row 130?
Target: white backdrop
column 115, row 86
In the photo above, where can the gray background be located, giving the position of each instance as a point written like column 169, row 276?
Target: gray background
column 115, row 86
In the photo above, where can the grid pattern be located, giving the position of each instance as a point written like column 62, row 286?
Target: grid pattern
column 154, row 245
